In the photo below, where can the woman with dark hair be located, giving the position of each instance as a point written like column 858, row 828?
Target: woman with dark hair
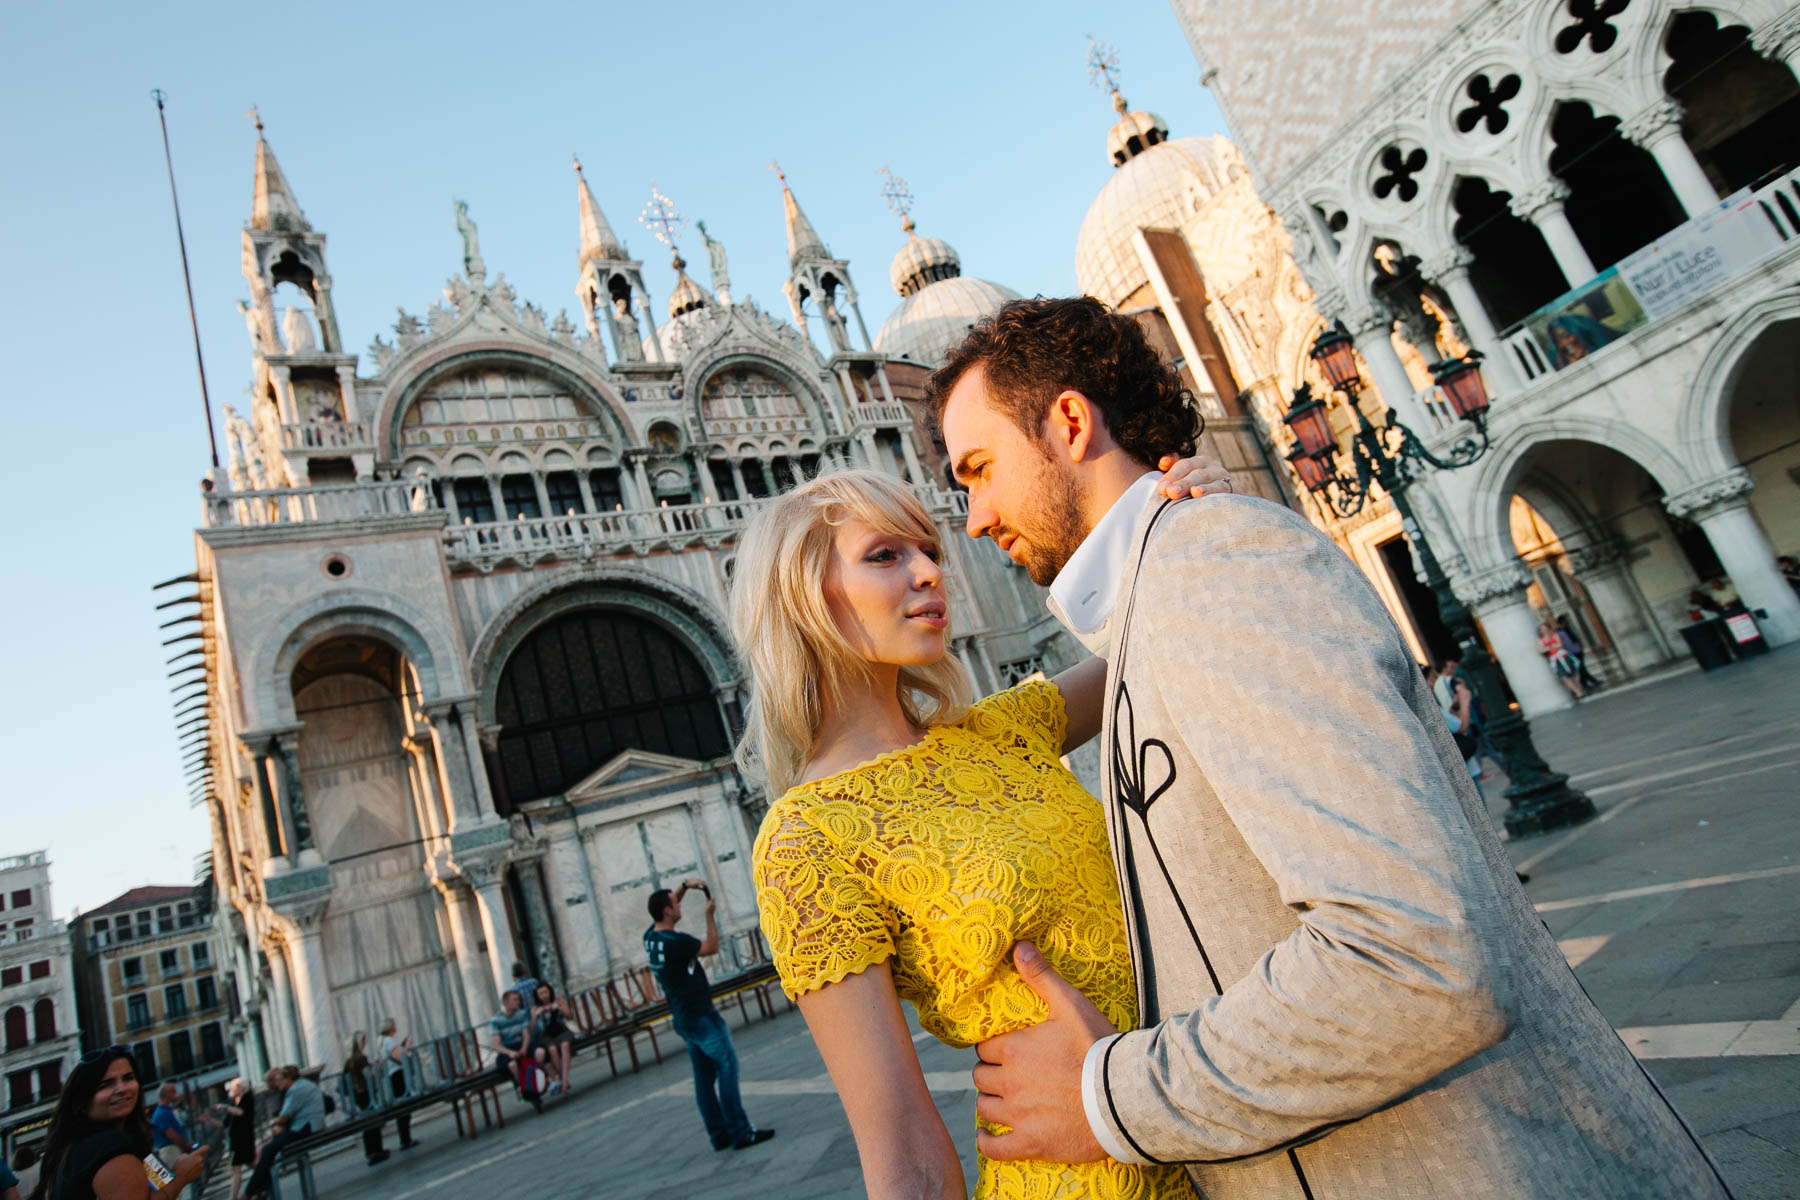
column 99, row 1142
column 550, row 1018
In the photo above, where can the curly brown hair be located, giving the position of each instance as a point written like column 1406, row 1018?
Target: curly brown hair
column 1034, row 350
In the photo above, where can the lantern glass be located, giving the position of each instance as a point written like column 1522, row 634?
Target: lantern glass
column 1307, row 417
column 1314, row 469
column 1462, row 385
column 1336, row 356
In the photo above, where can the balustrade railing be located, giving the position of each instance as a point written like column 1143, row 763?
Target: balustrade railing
column 319, row 505
column 325, row 435
column 1695, row 258
column 594, row 533
column 880, row 414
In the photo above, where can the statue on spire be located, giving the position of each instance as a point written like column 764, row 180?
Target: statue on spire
column 473, row 267
column 716, row 264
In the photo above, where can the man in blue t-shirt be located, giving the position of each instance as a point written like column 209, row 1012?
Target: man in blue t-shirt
column 675, row 957
column 167, row 1131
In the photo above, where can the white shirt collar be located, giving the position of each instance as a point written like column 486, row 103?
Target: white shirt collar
column 1083, row 595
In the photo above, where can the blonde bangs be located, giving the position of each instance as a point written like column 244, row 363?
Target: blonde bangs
column 783, row 626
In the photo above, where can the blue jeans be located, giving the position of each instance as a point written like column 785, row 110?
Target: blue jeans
column 715, row 1077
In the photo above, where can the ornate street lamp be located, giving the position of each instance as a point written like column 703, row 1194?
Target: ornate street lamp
column 1389, row 456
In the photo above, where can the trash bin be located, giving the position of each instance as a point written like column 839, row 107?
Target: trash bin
column 1709, row 643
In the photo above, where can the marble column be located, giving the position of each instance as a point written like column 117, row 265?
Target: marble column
column 571, row 877
column 1498, row 600
column 496, row 497
column 737, row 479
column 709, row 488
column 292, row 796
column 453, row 758
column 278, row 1004
column 1635, row 634
column 472, row 969
column 485, row 808
column 538, row 922
column 1373, row 333
column 587, row 490
column 433, row 817
column 1543, row 207
column 484, row 878
column 312, row 985
column 1658, row 130
column 543, row 495
column 1721, row 507
column 914, row 471
column 1450, row 271
column 277, row 837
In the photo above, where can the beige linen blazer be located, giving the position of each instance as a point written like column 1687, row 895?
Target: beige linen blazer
column 1345, row 992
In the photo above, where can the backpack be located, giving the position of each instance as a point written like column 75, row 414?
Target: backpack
column 531, row 1078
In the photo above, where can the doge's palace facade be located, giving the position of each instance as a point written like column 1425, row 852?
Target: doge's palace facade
column 1602, row 199
column 470, row 694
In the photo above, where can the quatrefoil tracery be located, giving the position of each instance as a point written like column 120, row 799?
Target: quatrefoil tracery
column 1593, row 24
column 1399, row 171
column 1489, row 103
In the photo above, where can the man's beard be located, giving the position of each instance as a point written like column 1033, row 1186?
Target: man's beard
column 1054, row 529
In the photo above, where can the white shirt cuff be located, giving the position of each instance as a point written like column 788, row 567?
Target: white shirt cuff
column 1094, row 1105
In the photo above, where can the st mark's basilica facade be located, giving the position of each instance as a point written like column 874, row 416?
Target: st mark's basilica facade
column 470, row 694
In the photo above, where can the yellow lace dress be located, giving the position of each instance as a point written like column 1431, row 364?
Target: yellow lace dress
column 939, row 857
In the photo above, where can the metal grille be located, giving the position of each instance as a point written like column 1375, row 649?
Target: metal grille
column 590, row 685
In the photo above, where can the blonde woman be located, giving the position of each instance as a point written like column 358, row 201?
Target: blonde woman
column 915, row 836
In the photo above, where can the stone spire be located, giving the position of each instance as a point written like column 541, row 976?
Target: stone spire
column 803, row 239
column 272, row 203
column 598, row 242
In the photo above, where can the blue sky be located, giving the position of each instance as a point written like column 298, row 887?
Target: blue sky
column 382, row 116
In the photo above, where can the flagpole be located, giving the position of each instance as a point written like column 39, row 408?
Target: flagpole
column 212, row 440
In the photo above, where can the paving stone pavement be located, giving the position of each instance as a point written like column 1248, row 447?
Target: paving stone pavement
column 1678, row 907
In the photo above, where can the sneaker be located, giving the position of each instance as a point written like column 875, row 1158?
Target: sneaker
column 752, row 1138
column 378, row 1159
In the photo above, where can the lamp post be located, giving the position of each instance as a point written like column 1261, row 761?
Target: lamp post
column 1539, row 799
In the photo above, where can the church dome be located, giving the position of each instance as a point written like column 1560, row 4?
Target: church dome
column 1159, row 186
column 687, row 295
column 931, row 321
column 922, row 262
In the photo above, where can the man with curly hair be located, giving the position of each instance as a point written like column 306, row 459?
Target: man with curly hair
column 1343, row 989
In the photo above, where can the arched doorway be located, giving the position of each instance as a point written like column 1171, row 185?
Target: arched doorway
column 384, row 954
column 586, row 686
column 1604, row 557
column 1763, row 417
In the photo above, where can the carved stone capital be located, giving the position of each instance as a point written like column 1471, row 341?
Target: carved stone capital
column 1780, row 38
column 1494, row 588
column 1715, row 495
column 483, row 871
column 1457, row 258
column 1370, row 322
column 305, row 918
column 1652, row 124
column 1535, row 202
column 490, row 737
column 1595, row 556
column 1328, row 302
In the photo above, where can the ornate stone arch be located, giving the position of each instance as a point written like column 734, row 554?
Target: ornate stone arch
column 1534, row 144
column 677, row 608
column 341, row 613
column 1500, row 173
column 1497, row 476
column 589, row 390
column 723, row 358
column 1704, row 421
